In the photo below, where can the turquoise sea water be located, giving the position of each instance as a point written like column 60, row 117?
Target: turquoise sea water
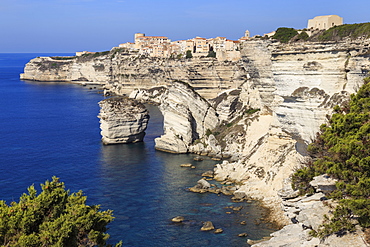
column 52, row 129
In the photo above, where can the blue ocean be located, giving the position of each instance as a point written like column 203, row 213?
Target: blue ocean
column 52, row 129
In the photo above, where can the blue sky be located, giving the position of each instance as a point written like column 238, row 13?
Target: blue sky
column 98, row 25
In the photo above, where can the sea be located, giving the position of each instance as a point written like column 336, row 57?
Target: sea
column 51, row 129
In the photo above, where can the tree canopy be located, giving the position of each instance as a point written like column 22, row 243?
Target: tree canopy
column 342, row 150
column 55, row 217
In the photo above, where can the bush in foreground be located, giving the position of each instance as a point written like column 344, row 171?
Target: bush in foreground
column 55, row 217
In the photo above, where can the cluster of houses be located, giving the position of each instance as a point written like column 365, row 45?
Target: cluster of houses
column 161, row 46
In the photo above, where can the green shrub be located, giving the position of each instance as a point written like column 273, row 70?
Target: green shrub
column 211, row 54
column 188, row 54
column 347, row 30
column 208, row 132
column 55, row 217
column 342, row 150
column 250, row 111
column 284, row 34
column 302, row 36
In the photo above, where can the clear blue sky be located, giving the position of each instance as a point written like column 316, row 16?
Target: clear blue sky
column 98, row 25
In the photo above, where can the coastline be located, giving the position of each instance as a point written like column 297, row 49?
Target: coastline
column 277, row 98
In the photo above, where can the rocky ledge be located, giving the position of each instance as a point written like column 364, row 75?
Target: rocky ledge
column 122, row 120
column 307, row 213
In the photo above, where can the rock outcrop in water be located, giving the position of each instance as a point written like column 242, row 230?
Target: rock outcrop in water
column 122, row 120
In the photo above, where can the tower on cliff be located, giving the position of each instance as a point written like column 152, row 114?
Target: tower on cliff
column 247, row 34
column 137, row 36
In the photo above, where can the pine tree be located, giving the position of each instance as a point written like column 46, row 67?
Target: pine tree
column 55, row 217
column 342, row 150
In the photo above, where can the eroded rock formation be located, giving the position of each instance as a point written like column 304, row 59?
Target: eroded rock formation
column 270, row 103
column 122, row 120
column 187, row 117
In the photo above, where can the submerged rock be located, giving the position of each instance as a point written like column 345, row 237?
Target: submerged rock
column 243, row 235
column 186, row 165
column 178, row 219
column 122, row 120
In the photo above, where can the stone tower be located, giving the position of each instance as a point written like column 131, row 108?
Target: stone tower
column 247, row 34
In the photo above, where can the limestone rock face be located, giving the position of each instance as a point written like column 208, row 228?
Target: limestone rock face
column 122, row 72
column 151, row 95
column 122, row 120
column 294, row 86
column 187, row 116
column 80, row 69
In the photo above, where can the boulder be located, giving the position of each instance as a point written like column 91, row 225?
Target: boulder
column 198, row 158
column 239, row 195
column 178, row 219
column 207, row 226
column 207, row 174
column 324, row 183
column 203, row 184
column 201, row 187
column 287, row 191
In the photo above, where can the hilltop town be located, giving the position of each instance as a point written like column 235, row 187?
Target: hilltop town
column 225, row 49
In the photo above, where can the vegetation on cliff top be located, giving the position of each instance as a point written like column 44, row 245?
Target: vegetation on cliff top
column 284, row 34
column 342, row 150
column 353, row 31
column 55, row 217
column 336, row 33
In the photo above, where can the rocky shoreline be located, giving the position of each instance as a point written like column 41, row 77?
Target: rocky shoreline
column 268, row 106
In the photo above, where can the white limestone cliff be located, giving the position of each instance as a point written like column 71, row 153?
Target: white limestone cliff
column 295, row 88
column 122, row 72
column 187, row 116
column 122, row 120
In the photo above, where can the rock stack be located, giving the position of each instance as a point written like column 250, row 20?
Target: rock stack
column 122, row 120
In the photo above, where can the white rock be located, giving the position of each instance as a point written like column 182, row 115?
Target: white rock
column 122, row 120
column 323, row 183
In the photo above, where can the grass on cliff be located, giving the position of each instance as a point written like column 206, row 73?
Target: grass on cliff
column 352, row 31
column 342, row 150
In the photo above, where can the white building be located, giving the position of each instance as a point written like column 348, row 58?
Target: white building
column 324, row 22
